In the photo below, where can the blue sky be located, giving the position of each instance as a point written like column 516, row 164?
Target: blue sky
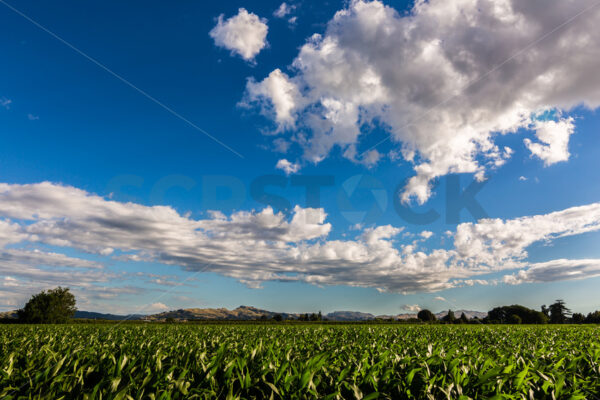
column 69, row 122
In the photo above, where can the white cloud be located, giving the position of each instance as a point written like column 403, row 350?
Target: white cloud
column 439, row 298
column 32, row 117
column 258, row 246
column 10, row 233
column 522, row 178
column 499, row 243
column 4, row 102
column 411, row 307
column 281, row 145
column 244, row 34
column 554, row 138
column 283, row 98
column 156, row 308
column 444, row 80
column 288, row 167
column 555, row 270
column 426, row 234
column 38, row 257
column 283, row 10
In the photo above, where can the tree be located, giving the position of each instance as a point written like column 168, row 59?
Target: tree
column 545, row 311
column 54, row 306
column 578, row 318
column 593, row 318
column 464, row 318
column 449, row 317
column 559, row 313
column 277, row 317
column 426, row 316
column 503, row 314
column 303, row 317
column 514, row 319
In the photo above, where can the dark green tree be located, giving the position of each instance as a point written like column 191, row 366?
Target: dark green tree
column 559, row 313
column 502, row 315
column 514, row 319
column 449, row 317
column 277, row 317
column 54, row 306
column 464, row 318
column 593, row 318
column 426, row 316
column 578, row 318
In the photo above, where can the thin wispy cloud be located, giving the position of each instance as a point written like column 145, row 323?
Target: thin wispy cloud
column 4, row 102
column 284, row 10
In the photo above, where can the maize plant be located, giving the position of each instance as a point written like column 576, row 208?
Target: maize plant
column 184, row 361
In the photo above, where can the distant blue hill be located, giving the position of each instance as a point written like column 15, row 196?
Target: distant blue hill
column 111, row 317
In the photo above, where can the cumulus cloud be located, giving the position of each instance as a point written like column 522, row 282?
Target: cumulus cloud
column 411, row 307
column 288, row 167
column 439, row 298
column 426, row 234
column 284, row 98
column 554, row 140
column 10, row 233
column 258, row 246
column 244, row 34
column 444, row 80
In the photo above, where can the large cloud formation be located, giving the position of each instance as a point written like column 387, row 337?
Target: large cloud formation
column 443, row 80
column 258, row 246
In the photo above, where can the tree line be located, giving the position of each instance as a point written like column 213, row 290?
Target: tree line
column 58, row 306
column 556, row 313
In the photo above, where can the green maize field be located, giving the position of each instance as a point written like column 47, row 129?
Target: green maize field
column 164, row 361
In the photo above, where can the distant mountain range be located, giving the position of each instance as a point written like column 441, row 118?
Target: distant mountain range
column 242, row 313
column 84, row 315
column 469, row 314
column 245, row 313
column 8, row 314
column 249, row 313
column 111, row 317
column 349, row 316
column 360, row 316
